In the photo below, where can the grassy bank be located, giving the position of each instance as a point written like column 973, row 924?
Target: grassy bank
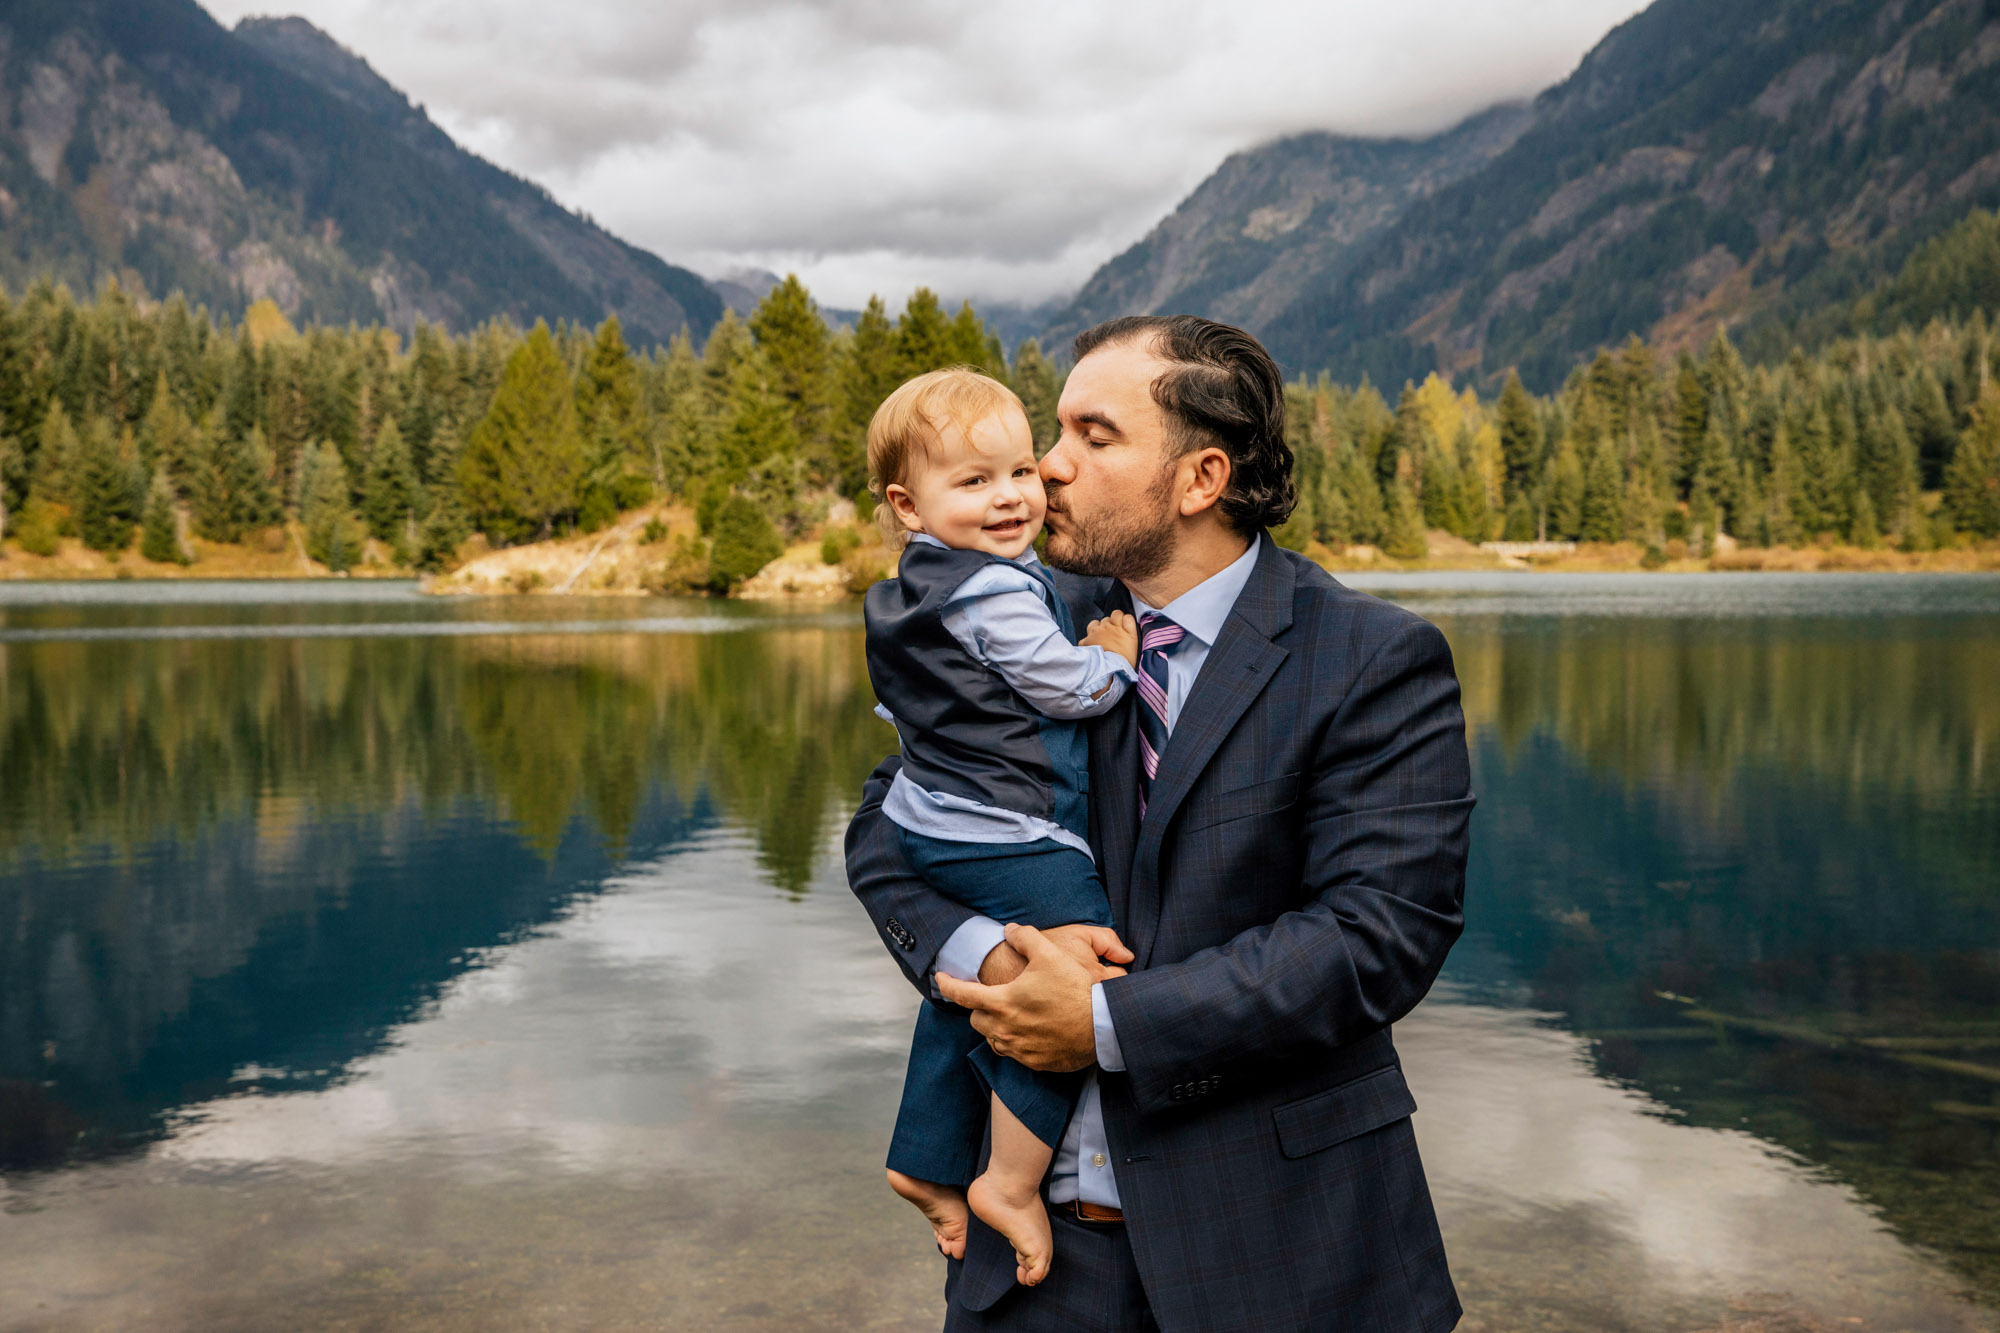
column 658, row 549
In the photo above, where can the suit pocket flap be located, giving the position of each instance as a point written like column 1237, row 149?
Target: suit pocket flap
column 1257, row 798
column 1339, row 1114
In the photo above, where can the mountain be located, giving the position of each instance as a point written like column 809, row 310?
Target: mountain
column 1275, row 218
column 141, row 140
column 1746, row 164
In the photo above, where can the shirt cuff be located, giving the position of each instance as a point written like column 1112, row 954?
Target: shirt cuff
column 1109, row 1057
column 1107, row 683
column 967, row 948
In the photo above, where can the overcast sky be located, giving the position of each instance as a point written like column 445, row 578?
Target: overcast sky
column 996, row 151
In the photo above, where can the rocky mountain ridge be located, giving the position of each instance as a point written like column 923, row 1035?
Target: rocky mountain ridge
column 1710, row 164
column 141, row 141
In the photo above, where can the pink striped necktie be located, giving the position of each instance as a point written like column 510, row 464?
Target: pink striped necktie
column 1157, row 637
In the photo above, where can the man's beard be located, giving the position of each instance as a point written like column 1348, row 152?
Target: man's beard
column 1134, row 542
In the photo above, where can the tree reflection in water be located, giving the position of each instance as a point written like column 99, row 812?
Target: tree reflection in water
column 1752, row 859
column 1756, row 863
column 261, row 854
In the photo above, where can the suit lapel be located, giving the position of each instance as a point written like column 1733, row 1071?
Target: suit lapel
column 1239, row 665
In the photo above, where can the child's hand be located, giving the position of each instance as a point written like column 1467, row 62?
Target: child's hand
column 1117, row 633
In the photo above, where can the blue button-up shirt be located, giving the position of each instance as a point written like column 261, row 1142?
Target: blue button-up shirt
column 1083, row 1160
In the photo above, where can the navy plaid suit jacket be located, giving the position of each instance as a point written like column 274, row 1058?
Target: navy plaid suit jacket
column 1293, row 891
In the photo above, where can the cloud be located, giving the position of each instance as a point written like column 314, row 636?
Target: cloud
column 999, row 151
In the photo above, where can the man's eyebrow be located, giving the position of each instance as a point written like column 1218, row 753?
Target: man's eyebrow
column 1097, row 419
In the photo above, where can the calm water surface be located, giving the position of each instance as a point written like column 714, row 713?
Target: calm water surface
column 374, row 961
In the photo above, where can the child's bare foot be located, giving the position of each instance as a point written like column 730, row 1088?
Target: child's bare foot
column 942, row 1205
column 1023, row 1220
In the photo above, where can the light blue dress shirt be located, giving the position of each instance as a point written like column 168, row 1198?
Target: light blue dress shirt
column 1000, row 616
column 1083, row 1160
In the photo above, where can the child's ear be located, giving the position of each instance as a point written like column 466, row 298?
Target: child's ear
column 905, row 506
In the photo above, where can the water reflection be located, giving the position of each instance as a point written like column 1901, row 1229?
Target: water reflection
column 1755, row 862
column 226, row 855
column 496, row 980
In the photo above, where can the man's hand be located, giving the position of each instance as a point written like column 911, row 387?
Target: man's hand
column 1041, row 1018
column 1093, row 946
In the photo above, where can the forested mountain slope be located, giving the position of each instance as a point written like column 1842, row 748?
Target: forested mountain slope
column 140, row 139
column 1273, row 219
column 1711, row 162
column 1755, row 165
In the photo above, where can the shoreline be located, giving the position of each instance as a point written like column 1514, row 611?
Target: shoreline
column 554, row 568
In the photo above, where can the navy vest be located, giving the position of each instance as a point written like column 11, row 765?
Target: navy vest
column 964, row 730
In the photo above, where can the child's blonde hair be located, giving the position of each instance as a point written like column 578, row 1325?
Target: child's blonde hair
column 911, row 422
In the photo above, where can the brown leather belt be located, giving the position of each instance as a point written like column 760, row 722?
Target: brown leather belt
column 1091, row 1212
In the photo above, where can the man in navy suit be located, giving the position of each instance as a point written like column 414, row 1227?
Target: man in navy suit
column 1279, row 811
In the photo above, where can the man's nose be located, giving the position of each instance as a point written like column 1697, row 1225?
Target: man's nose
column 1057, row 466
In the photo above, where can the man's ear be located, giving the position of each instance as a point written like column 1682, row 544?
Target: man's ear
column 1204, row 476
column 905, row 506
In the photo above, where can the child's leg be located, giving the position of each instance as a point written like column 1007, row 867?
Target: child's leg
column 1042, row 884
column 1008, row 1196
column 1039, row 884
column 935, row 1148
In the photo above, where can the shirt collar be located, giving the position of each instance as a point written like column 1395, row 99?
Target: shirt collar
column 1026, row 557
column 1203, row 609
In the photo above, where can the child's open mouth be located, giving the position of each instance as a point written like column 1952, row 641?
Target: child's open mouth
column 1011, row 528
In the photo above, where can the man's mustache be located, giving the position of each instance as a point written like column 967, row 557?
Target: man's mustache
column 1052, row 494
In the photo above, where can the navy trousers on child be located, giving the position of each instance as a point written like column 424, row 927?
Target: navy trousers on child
column 941, row 1122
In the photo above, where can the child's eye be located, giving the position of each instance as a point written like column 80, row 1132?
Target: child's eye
column 972, row 481
column 1022, row 471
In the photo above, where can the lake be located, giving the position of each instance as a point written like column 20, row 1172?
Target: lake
column 376, row 961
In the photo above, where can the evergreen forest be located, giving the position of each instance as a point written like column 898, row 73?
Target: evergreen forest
column 125, row 424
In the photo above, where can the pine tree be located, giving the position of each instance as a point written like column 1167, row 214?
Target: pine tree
column 1565, row 491
column 923, row 336
column 1361, row 498
column 1932, row 430
column 524, row 460
column 243, row 398
column 870, row 371
column 969, row 344
column 1781, row 526
column 13, row 481
column 1034, row 379
column 389, row 491
column 1603, row 508
column 444, row 529
column 167, row 436
column 610, row 418
column 159, row 532
column 55, row 456
column 1520, row 435
column 1862, row 529
column 758, row 425
column 682, row 437
column 101, row 491
column 324, row 499
column 799, row 351
column 1972, row 478
column 745, row 541
column 1405, row 538
column 1690, row 421
column 232, row 491
column 1824, row 443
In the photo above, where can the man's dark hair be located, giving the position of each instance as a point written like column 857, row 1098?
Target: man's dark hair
column 1221, row 388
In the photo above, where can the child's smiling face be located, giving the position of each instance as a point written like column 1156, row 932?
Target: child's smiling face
column 977, row 488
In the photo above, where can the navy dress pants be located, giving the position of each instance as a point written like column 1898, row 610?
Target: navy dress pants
column 942, row 1120
column 1092, row 1287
